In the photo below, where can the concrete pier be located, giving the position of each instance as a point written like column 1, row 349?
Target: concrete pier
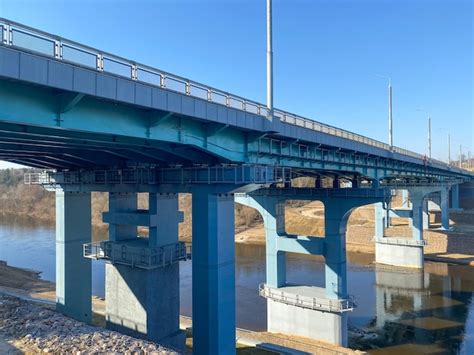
column 213, row 273
column 73, row 271
column 299, row 309
column 402, row 251
column 455, row 197
column 444, row 206
column 307, row 312
column 142, row 277
column 399, row 252
column 409, row 252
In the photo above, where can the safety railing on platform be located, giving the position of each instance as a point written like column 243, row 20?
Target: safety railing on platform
column 316, row 303
column 138, row 256
column 400, row 241
column 16, row 35
column 36, row 179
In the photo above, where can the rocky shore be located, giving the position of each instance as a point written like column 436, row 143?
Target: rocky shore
column 31, row 328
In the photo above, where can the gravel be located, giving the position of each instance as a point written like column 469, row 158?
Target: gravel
column 41, row 330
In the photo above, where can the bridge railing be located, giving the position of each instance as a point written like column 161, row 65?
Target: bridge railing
column 16, row 35
column 304, row 301
column 243, row 174
column 138, row 256
column 400, row 241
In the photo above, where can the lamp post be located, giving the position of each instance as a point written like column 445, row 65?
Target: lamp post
column 449, row 148
column 429, row 131
column 429, row 136
column 269, row 62
column 390, row 121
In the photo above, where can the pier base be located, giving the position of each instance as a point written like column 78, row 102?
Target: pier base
column 296, row 314
column 399, row 252
column 144, row 303
column 142, row 274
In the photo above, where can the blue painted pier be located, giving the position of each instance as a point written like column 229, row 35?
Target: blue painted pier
column 93, row 121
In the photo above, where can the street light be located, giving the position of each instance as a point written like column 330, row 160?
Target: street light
column 429, row 131
column 390, row 122
column 449, row 148
column 269, row 61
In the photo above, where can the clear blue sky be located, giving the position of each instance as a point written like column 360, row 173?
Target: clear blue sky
column 326, row 55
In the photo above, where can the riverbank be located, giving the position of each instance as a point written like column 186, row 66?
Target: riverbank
column 29, row 327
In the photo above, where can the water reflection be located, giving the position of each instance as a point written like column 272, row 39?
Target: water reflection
column 398, row 311
column 420, row 312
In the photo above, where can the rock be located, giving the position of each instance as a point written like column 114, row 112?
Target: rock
column 47, row 331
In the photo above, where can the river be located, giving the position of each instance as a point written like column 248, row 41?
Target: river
column 398, row 311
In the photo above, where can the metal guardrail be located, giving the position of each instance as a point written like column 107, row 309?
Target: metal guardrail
column 400, row 241
column 243, row 174
column 316, row 303
column 308, row 192
column 136, row 256
column 20, row 36
column 400, row 184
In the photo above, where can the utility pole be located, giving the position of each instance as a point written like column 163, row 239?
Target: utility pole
column 269, row 61
column 449, row 148
column 429, row 137
column 460, row 155
column 390, row 125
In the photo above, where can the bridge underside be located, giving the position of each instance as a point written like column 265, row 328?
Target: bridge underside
column 51, row 148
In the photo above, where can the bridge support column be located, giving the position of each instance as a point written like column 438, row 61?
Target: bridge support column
column 405, row 200
column 273, row 215
column 426, row 215
column 406, row 252
column 455, row 197
column 379, row 221
column 73, row 271
column 213, row 273
column 144, row 301
column 444, row 205
column 325, row 323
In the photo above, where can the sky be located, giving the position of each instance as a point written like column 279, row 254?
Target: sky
column 327, row 55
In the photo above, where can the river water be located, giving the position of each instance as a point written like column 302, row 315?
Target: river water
column 398, row 312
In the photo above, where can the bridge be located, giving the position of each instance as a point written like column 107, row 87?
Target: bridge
column 94, row 121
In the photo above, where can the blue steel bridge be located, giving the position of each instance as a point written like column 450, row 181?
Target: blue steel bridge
column 94, row 121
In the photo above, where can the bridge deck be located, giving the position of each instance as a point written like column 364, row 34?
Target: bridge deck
column 67, row 105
